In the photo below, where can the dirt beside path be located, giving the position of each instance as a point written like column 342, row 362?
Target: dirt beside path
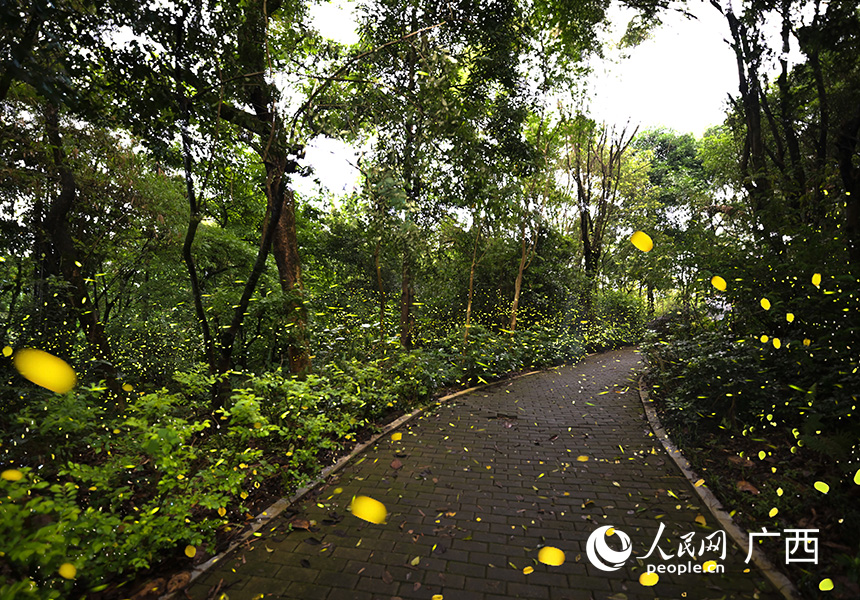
column 475, row 488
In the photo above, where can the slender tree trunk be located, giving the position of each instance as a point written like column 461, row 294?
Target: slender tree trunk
column 406, row 298
column 65, row 255
column 471, row 289
column 13, row 301
column 589, row 258
column 376, row 252
column 194, row 217
column 518, row 283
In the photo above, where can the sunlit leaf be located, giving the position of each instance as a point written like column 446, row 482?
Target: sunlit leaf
column 190, row 551
column 396, row 436
column 582, row 458
column 45, row 370
column 528, row 570
column 649, row 579
column 709, row 566
column 7, row 350
column 719, row 283
column 765, row 303
column 789, row 317
column 773, row 512
column 826, row 585
column 816, row 280
column 127, row 387
column 821, row 487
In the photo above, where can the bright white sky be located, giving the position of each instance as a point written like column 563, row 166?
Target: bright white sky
column 678, row 79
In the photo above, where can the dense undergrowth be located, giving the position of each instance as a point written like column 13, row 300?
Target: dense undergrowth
column 773, row 429
column 118, row 495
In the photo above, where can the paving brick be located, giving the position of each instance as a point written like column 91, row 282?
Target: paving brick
column 444, row 470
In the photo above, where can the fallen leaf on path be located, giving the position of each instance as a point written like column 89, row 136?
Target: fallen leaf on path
column 300, row 523
column 396, row 464
column 746, row 486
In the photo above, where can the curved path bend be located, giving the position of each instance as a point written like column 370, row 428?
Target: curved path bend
column 475, row 487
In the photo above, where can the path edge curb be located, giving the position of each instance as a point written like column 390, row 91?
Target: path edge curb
column 282, row 504
column 782, row 583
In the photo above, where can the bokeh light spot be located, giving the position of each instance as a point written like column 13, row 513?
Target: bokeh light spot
column 642, row 241
column 68, row 571
column 369, row 509
column 649, row 579
column 550, row 555
column 45, row 370
column 16, row 475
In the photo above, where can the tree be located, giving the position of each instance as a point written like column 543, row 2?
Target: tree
column 798, row 132
column 593, row 159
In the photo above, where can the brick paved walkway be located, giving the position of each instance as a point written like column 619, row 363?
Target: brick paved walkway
column 475, row 488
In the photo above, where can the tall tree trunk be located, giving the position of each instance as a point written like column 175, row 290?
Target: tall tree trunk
column 280, row 211
column 412, row 185
column 285, row 249
column 65, row 257
column 847, row 144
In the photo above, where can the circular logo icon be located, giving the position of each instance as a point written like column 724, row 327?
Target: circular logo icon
column 601, row 555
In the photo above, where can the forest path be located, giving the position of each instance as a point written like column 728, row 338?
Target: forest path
column 477, row 486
